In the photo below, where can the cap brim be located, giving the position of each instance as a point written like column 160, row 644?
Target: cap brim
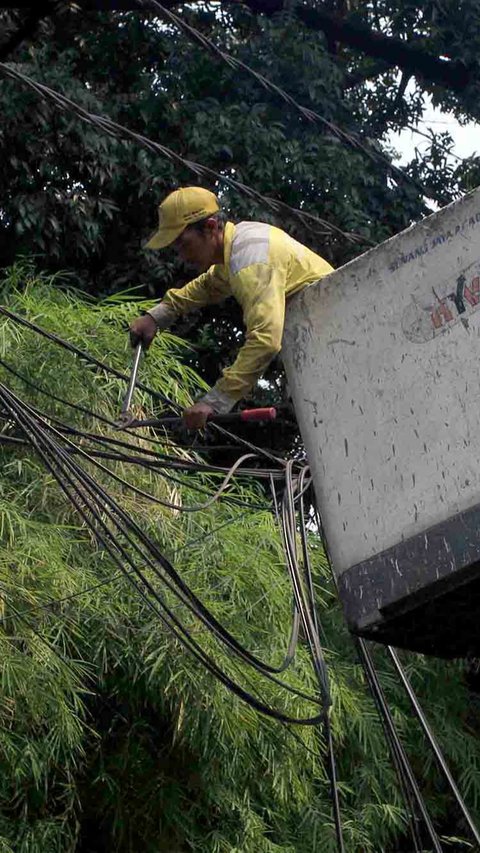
column 163, row 238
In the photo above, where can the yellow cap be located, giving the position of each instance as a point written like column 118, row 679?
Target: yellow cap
column 179, row 209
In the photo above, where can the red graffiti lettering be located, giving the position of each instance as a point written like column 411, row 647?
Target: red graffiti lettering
column 440, row 315
column 472, row 297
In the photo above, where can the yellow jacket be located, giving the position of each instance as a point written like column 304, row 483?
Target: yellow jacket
column 262, row 267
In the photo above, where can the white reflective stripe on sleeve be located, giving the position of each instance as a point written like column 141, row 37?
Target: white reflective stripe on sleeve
column 250, row 245
column 163, row 315
column 220, row 402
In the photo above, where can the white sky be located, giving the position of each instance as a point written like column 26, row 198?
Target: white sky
column 466, row 138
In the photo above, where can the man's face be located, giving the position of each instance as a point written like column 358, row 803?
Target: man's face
column 198, row 248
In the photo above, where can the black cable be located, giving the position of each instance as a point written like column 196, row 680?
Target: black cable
column 150, row 466
column 46, row 605
column 156, row 461
column 306, row 560
column 307, row 609
column 434, row 744
column 154, row 466
column 179, row 507
column 246, row 443
column 397, row 750
column 289, row 530
column 331, row 768
column 103, row 419
column 189, row 599
column 51, row 454
column 22, row 321
column 311, row 631
column 166, row 615
column 161, row 459
column 408, row 784
column 405, row 774
column 307, row 613
column 76, row 406
column 167, row 461
column 91, row 359
column 312, row 635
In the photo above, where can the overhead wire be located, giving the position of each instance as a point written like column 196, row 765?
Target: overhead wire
column 345, row 137
column 260, row 706
column 89, row 490
column 303, row 491
column 114, row 129
column 50, row 455
column 36, row 387
column 413, row 798
column 158, row 464
column 87, row 357
column 435, row 746
column 156, row 467
column 178, row 507
column 91, row 359
column 407, row 782
column 305, row 603
column 406, row 779
column 152, row 438
column 165, row 470
column 416, row 806
column 164, row 460
column 245, row 443
column 174, row 625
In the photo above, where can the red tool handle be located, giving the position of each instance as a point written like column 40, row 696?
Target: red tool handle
column 268, row 414
column 247, row 416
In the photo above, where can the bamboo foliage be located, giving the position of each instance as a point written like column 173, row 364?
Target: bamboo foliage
column 111, row 736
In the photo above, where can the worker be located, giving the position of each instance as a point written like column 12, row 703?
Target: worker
column 259, row 264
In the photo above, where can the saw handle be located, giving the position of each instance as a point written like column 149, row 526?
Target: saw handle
column 247, row 416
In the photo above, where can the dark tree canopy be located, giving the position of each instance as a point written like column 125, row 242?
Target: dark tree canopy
column 362, row 32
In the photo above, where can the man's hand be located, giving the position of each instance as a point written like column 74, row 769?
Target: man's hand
column 143, row 330
column 196, row 416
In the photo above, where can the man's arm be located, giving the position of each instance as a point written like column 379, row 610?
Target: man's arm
column 261, row 291
column 206, row 289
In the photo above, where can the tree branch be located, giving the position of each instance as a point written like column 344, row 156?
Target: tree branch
column 410, row 56
column 373, row 70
